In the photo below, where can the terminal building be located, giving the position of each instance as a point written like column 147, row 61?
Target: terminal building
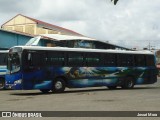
column 32, row 26
column 20, row 29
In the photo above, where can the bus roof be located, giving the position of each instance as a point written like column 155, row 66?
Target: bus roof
column 81, row 50
column 66, row 37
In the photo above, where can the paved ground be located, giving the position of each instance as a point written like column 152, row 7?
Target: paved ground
column 141, row 98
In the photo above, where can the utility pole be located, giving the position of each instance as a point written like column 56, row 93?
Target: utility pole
column 150, row 47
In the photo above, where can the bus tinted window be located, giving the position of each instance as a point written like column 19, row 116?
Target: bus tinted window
column 150, row 60
column 3, row 58
column 140, row 60
column 130, row 60
column 55, row 58
column 92, row 59
column 125, row 60
column 34, row 58
column 75, row 59
column 121, row 60
column 109, row 59
column 38, row 58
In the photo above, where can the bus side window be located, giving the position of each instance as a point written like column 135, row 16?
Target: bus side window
column 75, row 59
column 125, row 60
column 150, row 60
column 55, row 58
column 121, row 60
column 130, row 60
column 34, row 59
column 140, row 60
column 110, row 59
column 92, row 59
column 3, row 58
column 38, row 58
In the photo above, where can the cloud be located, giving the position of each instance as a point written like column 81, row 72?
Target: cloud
column 10, row 8
column 14, row 6
column 63, row 10
column 131, row 23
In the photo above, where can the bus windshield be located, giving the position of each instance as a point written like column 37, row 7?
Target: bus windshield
column 13, row 62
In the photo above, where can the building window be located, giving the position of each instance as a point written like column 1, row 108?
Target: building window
column 41, row 31
column 29, row 29
column 18, row 28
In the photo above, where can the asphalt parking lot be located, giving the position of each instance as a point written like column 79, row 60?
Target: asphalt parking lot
column 141, row 98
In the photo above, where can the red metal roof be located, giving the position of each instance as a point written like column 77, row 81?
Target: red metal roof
column 51, row 26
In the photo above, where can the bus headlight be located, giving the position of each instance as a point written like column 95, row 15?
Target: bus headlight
column 18, row 81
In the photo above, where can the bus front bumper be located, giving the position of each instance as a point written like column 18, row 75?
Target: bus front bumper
column 14, row 86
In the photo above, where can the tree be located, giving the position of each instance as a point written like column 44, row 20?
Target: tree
column 115, row 1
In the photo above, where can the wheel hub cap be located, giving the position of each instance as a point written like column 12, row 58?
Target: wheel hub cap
column 58, row 85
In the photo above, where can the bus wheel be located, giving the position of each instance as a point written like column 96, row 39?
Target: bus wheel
column 128, row 83
column 2, row 83
column 58, row 85
column 44, row 90
column 112, row 87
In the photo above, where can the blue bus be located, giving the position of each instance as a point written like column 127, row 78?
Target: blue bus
column 55, row 68
column 3, row 67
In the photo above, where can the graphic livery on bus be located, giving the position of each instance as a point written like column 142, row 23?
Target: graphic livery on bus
column 3, row 67
column 54, row 68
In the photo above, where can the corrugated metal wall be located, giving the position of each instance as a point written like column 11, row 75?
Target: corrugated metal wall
column 10, row 39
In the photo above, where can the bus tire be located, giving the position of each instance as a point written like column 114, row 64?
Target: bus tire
column 128, row 83
column 2, row 83
column 44, row 90
column 58, row 85
column 112, row 87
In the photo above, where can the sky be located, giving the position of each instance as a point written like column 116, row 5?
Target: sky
column 130, row 23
